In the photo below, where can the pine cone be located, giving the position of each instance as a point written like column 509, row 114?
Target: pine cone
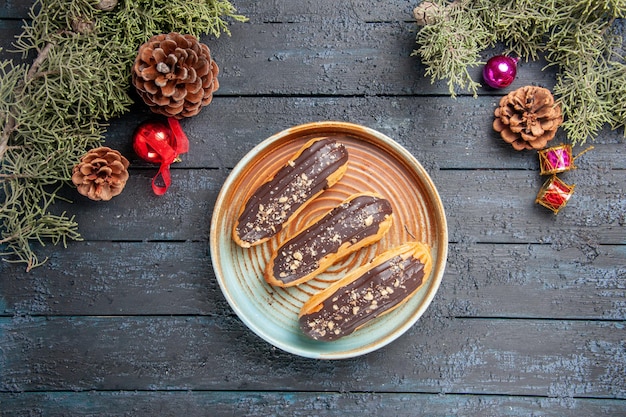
column 175, row 75
column 528, row 118
column 101, row 174
column 106, row 5
column 426, row 13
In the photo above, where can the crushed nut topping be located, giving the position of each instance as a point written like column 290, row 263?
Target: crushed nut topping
column 368, row 296
column 276, row 200
column 351, row 221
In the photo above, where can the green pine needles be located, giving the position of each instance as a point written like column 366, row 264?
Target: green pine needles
column 581, row 38
column 56, row 109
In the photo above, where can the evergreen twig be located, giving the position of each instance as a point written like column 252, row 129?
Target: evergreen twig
column 576, row 36
column 54, row 110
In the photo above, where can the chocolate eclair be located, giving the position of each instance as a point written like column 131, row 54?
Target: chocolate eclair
column 370, row 291
column 358, row 221
column 318, row 165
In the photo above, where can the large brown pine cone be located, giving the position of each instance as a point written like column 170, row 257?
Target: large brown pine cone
column 101, row 174
column 528, row 118
column 175, row 75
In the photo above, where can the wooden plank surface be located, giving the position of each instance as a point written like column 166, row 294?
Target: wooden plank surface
column 529, row 319
column 595, row 214
column 301, row 404
column 439, row 354
column 231, row 126
column 482, row 280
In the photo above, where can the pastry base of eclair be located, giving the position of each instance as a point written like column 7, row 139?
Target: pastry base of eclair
column 358, row 221
column 317, row 165
column 368, row 292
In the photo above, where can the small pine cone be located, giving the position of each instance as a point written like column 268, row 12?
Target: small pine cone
column 83, row 25
column 528, row 118
column 101, row 174
column 175, row 75
column 426, row 13
column 106, row 5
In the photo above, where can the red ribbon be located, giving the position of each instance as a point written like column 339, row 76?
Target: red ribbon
column 182, row 143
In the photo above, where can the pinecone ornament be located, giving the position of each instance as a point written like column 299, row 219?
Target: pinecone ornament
column 175, row 75
column 101, row 174
column 528, row 118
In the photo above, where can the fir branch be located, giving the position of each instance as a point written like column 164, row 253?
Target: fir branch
column 576, row 36
column 10, row 77
column 54, row 110
column 581, row 96
column 455, row 37
column 41, row 57
column 520, row 25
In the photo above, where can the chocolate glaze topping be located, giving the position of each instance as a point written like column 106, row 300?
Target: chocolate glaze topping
column 294, row 184
column 351, row 222
column 365, row 298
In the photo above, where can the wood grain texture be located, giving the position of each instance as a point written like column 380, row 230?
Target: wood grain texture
column 298, row 404
column 505, row 198
column 332, row 56
column 8, row 29
column 14, row 9
column 327, row 56
column 529, row 318
column 482, row 280
column 441, row 132
column 439, row 354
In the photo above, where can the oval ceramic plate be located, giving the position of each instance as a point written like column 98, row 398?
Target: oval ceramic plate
column 376, row 163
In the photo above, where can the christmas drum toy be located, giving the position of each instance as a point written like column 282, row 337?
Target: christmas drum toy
column 556, row 159
column 554, row 194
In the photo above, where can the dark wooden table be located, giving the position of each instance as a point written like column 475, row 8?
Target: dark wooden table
column 529, row 319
